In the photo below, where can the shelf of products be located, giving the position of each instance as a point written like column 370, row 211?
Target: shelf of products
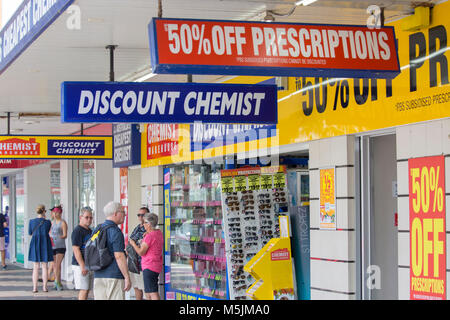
column 197, row 245
column 251, row 204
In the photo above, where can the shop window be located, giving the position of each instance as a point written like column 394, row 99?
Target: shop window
column 197, row 248
column 20, row 217
column 84, row 187
column 55, row 184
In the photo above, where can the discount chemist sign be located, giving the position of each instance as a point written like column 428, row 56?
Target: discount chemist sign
column 427, row 228
column 258, row 48
column 168, row 102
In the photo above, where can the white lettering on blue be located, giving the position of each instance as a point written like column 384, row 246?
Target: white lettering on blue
column 205, row 103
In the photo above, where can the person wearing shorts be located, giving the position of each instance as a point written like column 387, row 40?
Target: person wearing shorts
column 82, row 277
column 58, row 234
column 150, row 251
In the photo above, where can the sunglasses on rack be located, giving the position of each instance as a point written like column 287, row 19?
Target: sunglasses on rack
column 233, row 219
column 250, row 244
column 249, row 218
column 240, row 288
column 264, row 206
column 264, row 195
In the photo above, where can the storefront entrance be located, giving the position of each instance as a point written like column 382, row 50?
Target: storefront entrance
column 379, row 218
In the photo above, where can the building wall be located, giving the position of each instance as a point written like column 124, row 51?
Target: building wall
column 333, row 261
column 104, row 187
column 414, row 141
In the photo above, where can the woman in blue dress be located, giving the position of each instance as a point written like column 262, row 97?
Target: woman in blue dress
column 40, row 251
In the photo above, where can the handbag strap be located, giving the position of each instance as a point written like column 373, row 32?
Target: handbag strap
column 37, row 227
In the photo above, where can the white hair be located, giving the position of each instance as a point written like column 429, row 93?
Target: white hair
column 111, row 208
column 151, row 218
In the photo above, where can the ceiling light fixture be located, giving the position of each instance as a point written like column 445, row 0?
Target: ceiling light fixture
column 305, row 2
column 145, row 77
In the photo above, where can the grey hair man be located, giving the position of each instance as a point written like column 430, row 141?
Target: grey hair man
column 82, row 277
column 111, row 282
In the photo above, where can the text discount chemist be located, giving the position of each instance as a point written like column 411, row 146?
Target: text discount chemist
column 163, row 103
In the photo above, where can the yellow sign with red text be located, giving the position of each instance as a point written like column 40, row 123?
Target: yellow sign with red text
column 327, row 198
column 320, row 107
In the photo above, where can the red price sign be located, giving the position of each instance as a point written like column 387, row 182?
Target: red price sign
column 427, row 228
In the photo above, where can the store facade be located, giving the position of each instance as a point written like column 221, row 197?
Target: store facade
column 361, row 134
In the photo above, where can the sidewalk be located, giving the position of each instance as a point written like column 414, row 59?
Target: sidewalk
column 16, row 284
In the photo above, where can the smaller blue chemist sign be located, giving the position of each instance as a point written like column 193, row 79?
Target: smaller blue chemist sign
column 132, row 102
column 126, row 145
column 75, row 147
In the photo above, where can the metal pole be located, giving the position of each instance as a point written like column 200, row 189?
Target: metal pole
column 111, row 49
column 8, row 123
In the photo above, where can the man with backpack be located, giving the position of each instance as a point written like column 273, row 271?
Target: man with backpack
column 111, row 281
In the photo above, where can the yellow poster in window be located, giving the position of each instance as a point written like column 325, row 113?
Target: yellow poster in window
column 328, row 198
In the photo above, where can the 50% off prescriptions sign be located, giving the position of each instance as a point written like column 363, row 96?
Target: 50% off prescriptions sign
column 271, row 49
column 427, row 228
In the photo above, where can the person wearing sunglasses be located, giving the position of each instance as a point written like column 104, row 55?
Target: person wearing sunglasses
column 137, row 280
column 82, row 277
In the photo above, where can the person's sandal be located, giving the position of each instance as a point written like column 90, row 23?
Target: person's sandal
column 45, row 289
column 35, row 291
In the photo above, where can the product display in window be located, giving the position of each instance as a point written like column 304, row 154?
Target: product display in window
column 197, row 248
column 251, row 210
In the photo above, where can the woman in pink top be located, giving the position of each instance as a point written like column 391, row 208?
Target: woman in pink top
column 150, row 250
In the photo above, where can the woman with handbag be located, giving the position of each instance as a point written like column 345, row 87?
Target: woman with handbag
column 40, row 251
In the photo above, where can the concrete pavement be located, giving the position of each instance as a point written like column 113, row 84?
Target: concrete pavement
column 16, row 284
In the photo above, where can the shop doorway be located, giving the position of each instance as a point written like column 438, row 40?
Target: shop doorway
column 298, row 185
column 379, row 218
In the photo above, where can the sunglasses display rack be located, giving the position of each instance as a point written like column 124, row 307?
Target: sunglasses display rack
column 251, row 212
column 197, row 248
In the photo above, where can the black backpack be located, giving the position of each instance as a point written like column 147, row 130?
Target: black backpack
column 96, row 253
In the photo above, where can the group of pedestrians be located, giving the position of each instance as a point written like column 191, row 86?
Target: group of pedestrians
column 47, row 245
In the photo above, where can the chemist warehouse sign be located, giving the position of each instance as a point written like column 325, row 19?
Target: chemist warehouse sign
column 56, row 147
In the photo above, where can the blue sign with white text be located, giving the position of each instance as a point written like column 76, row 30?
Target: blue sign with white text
column 126, row 145
column 76, row 148
column 28, row 22
column 205, row 136
column 153, row 102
